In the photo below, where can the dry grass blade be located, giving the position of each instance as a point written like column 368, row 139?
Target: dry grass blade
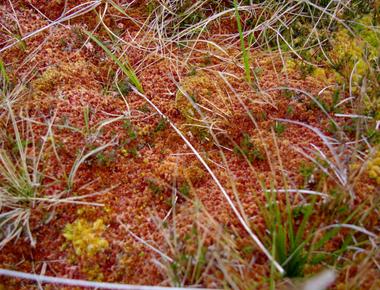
column 82, row 283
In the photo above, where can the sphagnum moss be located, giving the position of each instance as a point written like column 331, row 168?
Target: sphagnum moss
column 374, row 168
column 204, row 90
column 173, row 35
column 86, row 237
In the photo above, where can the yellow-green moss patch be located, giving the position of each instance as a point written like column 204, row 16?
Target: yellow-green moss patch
column 86, row 237
column 374, row 168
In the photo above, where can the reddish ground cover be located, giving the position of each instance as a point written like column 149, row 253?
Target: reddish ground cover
column 69, row 79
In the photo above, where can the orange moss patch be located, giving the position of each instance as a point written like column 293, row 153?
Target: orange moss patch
column 72, row 80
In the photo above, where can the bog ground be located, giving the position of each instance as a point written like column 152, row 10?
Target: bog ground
column 206, row 144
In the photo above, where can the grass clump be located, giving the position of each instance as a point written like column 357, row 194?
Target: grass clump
column 288, row 242
column 204, row 253
column 301, row 241
column 190, row 260
column 20, row 180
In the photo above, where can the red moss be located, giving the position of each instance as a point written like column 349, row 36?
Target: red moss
column 80, row 80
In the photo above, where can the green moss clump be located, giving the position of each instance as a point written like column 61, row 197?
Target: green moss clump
column 86, row 237
column 203, row 91
column 361, row 52
column 193, row 173
column 374, row 168
column 94, row 272
column 250, row 148
column 349, row 50
column 63, row 73
column 47, row 80
column 346, row 53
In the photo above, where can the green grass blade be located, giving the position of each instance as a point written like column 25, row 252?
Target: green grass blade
column 303, row 226
column 242, row 44
column 3, row 72
column 126, row 68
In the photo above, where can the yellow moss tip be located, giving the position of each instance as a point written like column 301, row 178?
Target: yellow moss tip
column 85, row 237
column 374, row 168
